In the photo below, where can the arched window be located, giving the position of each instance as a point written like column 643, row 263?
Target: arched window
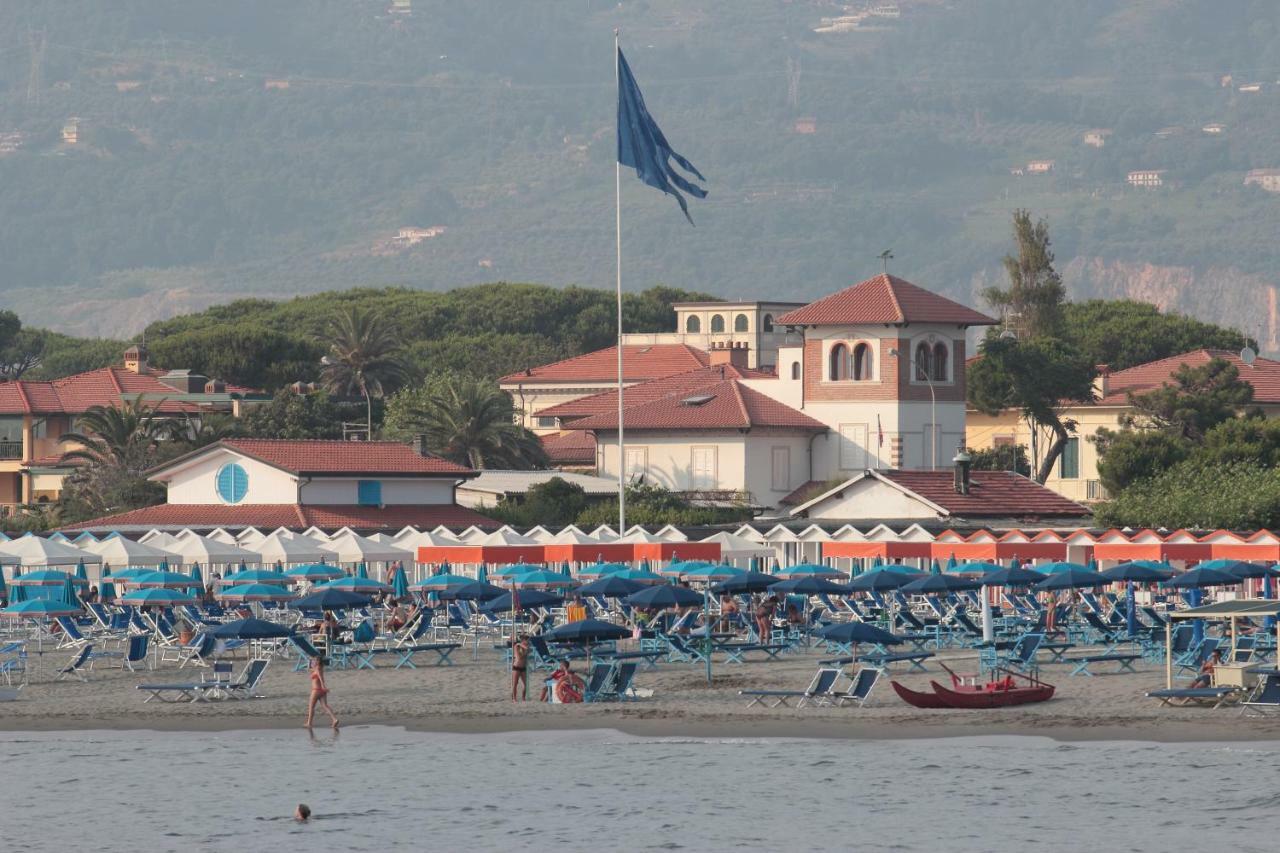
column 740, row 323
column 795, row 370
column 924, row 362
column 717, row 322
column 767, row 323
column 864, row 366
column 839, row 363
column 693, row 325
column 940, row 362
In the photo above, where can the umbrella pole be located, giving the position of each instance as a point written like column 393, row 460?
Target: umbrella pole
column 706, row 623
column 988, row 628
column 1168, row 654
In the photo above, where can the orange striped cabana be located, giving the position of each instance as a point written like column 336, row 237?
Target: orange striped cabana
column 1260, row 547
column 983, row 545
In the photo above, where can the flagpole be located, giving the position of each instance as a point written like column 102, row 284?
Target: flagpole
column 617, row 197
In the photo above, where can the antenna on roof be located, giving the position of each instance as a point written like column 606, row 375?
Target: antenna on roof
column 885, row 257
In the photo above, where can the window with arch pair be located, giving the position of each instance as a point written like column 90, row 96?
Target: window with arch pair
column 931, row 362
column 858, row 365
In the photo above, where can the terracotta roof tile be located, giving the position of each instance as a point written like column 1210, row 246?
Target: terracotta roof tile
column 883, row 299
column 1263, row 375
column 992, row 494
column 726, row 404
column 338, row 457
column 639, row 363
column 570, row 448
column 644, row 392
column 269, row 516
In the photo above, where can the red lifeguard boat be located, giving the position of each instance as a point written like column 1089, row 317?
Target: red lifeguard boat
column 1005, row 689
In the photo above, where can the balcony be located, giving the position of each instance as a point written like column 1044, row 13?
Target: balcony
column 10, row 449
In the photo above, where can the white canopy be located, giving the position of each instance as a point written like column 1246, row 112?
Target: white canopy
column 194, row 548
column 353, row 548
column 472, row 535
column 220, row 535
column 412, row 540
column 639, row 534
column 735, row 547
column 573, row 536
column 605, row 533
column 250, row 537
column 117, row 551
column 158, row 539
column 538, row 534
column 504, row 536
column 292, row 550
column 31, row 550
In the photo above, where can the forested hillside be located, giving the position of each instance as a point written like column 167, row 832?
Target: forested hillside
column 159, row 157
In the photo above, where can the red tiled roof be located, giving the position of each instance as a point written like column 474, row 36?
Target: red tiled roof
column 107, row 386
column 570, row 448
column 883, row 299
column 270, row 516
column 639, row 363
column 732, row 405
column 1263, row 375
column 334, row 457
column 680, row 383
column 991, row 494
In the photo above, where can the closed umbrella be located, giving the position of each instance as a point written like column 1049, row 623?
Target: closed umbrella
column 196, row 574
column 330, row 599
column 17, row 593
column 482, row 574
column 934, row 568
column 107, row 589
column 399, row 583
column 362, row 571
column 82, row 574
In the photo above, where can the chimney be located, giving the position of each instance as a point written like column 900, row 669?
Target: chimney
column 1102, row 383
column 734, row 354
column 419, row 444
column 962, row 461
column 135, row 358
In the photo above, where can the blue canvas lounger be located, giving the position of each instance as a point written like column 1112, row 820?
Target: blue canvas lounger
column 821, row 685
column 860, row 687
column 1124, row 662
column 883, row 661
column 1198, row 695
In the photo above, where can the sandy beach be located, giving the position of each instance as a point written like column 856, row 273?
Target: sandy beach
column 473, row 696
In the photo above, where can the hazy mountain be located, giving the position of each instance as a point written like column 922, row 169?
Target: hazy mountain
column 157, row 157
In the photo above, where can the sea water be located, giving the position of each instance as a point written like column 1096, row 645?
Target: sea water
column 380, row 789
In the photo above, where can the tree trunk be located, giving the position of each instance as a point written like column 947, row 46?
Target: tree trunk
column 1060, row 436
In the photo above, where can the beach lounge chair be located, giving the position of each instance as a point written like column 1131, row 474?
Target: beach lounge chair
column 1021, row 657
column 1124, row 662
column 601, row 683
column 198, row 651
column 135, row 651
column 821, row 685
column 684, row 651
column 189, row 691
column 71, row 637
column 859, row 689
column 246, row 687
column 1266, row 699
column 1244, row 648
column 626, row 675
column 1194, row 695
column 100, row 615
column 306, row 651
column 77, row 666
column 1195, row 657
column 16, row 665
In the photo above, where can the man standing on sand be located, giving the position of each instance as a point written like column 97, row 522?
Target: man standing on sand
column 520, row 668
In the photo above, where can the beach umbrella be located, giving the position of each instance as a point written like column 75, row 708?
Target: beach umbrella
column 2, row 584
column 314, row 573
column 679, row 568
column 856, row 632
column 610, row 587
column 810, row 570
column 808, row 585
column 129, row 574
column 881, row 580
column 934, row 568
column 41, row 577
column 196, row 574
column 934, row 584
column 599, row 570
column 746, row 583
column 482, row 573
column 254, row 592
column 643, row 576
column 1202, row 577
column 951, row 562
column 168, row 580
column 68, row 593
column 438, row 582
column 41, row 608
column 712, row 573
column 399, row 583
column 665, row 595
column 17, row 594
column 1139, row 571
column 157, row 597
column 1093, row 565
column 82, row 574
column 565, row 570
column 1268, row 591
column 528, row 598
column 330, row 599
column 512, row 569
column 251, row 629
column 357, row 585
column 266, row 576
column 475, row 591
column 540, row 579
column 1076, row 578
column 586, row 631
column 1059, row 567
column 1008, row 576
column 362, row 571
column 1240, row 569
column 106, row 589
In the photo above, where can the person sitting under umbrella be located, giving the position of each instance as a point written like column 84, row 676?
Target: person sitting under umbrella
column 566, row 683
column 1205, row 678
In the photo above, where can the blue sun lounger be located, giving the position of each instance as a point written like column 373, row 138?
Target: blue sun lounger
column 77, row 665
column 821, row 686
column 1124, row 662
column 1197, row 695
column 1266, row 699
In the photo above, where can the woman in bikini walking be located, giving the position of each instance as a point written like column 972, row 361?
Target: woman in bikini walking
column 319, row 694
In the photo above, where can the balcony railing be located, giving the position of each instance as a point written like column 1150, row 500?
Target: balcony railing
column 10, row 449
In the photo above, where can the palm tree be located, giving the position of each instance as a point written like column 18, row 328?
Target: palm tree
column 471, row 422
column 123, row 437
column 365, row 356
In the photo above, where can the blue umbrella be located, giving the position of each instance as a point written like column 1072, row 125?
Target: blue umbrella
column 439, row 582
column 157, row 597
column 1059, row 567
column 951, row 563
column 482, row 574
column 42, row 577
column 361, row 571
column 527, row 598
column 610, row 586
column 811, row 570
column 586, row 631
column 1010, row 577
column 513, row 569
column 357, row 585
column 266, row 576
column 713, row 573
column 541, row 578
column 40, row 608
column 196, row 574
column 330, row 599
column 172, row 580
column 399, row 583
column 251, row 629
column 82, row 574
column 665, row 595
column 1073, row 578
column 808, row 586
column 315, row 572
column 107, row 590
column 565, row 570
column 882, row 580
column 856, row 632
column 983, row 568
column 255, row 592
column 68, row 595
column 932, row 584
column 1136, row 572
column 477, row 591
column 17, row 593
column 1240, row 569
column 643, row 576
column 1268, row 591
column 934, row 567
column 679, row 568
column 1202, row 577
column 2, row 585
column 1130, row 617
column 599, row 570
column 745, row 583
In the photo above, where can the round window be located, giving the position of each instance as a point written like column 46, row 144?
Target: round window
column 233, row 483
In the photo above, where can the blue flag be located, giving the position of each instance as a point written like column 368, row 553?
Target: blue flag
column 642, row 146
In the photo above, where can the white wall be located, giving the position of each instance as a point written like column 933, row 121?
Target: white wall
column 670, row 459
column 872, row 500
column 197, row 483
column 760, row 448
column 399, row 490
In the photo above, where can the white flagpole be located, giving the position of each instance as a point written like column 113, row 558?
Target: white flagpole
column 622, row 446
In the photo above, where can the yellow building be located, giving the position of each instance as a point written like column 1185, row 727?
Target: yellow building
column 1075, row 475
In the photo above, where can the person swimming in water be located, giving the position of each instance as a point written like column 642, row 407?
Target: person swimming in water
column 302, row 813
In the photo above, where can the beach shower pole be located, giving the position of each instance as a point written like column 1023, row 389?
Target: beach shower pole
column 988, row 629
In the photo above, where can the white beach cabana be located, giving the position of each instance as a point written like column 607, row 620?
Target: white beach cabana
column 604, row 533
column 118, row 551
column 292, row 550
column 35, row 551
column 354, row 548
column 735, row 549
column 158, row 539
column 194, row 548
column 539, row 534
column 250, row 537
column 219, row 534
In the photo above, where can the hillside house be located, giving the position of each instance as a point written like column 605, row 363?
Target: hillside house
column 1096, row 138
column 1268, row 179
column 1146, row 178
column 1040, row 167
